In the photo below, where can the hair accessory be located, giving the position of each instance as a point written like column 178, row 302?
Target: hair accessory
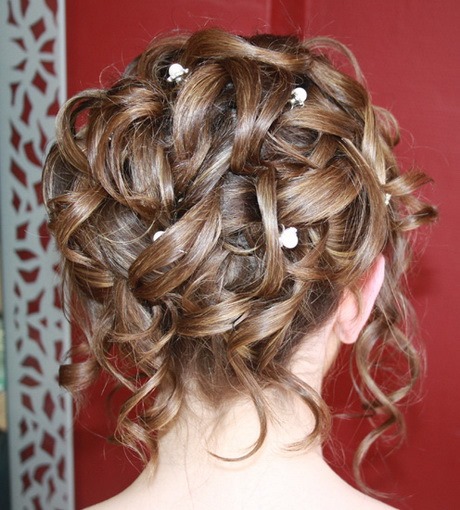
column 387, row 198
column 288, row 238
column 299, row 96
column 158, row 234
column 176, row 73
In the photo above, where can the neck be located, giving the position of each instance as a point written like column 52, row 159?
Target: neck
column 193, row 456
column 194, row 471
column 201, row 440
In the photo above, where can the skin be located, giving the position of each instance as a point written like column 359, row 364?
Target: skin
column 187, row 477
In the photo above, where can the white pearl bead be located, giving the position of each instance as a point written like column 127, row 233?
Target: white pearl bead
column 175, row 71
column 158, row 234
column 288, row 238
column 299, row 95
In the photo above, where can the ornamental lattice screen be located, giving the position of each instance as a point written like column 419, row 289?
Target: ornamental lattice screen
column 32, row 81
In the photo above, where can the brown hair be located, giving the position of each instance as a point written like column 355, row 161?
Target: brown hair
column 222, row 163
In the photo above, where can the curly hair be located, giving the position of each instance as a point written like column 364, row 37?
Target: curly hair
column 220, row 163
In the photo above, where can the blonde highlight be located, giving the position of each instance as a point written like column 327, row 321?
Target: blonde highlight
column 221, row 163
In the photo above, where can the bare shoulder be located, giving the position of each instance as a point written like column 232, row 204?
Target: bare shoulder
column 368, row 503
column 121, row 501
column 115, row 503
column 109, row 504
column 296, row 492
column 350, row 498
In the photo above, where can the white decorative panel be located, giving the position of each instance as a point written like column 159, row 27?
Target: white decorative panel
column 32, row 81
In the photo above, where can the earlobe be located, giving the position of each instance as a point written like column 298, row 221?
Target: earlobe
column 352, row 316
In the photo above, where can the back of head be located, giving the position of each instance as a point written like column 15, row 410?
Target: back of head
column 169, row 194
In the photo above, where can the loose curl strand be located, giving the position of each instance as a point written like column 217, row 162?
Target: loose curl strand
column 221, row 163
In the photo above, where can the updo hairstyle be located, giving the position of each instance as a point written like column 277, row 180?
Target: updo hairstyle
column 221, row 161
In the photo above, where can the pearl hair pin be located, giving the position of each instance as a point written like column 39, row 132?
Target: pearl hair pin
column 158, row 234
column 299, row 96
column 387, row 198
column 176, row 73
column 288, row 238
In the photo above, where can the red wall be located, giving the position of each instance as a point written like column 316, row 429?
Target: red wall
column 409, row 51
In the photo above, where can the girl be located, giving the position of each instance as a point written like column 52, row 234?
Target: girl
column 229, row 212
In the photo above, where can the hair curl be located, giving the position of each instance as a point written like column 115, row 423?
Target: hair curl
column 221, row 163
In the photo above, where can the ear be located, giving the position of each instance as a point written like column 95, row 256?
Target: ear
column 353, row 315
